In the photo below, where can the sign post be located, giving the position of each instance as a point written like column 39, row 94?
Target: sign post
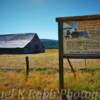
column 61, row 67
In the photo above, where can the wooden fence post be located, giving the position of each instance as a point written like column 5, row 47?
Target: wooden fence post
column 27, row 67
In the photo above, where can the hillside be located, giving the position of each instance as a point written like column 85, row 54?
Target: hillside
column 50, row 44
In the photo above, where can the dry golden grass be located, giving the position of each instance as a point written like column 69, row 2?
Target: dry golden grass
column 49, row 59
column 44, row 73
column 36, row 80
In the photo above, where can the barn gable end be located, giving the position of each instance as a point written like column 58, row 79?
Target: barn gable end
column 35, row 45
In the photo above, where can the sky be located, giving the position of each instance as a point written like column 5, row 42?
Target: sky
column 38, row 16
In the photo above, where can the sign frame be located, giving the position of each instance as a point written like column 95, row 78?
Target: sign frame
column 63, row 56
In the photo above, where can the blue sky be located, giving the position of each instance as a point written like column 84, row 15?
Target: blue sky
column 22, row 16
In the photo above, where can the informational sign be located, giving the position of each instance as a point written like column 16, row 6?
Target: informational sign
column 80, row 41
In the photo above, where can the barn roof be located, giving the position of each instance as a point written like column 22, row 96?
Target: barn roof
column 15, row 40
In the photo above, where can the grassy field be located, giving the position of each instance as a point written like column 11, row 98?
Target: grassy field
column 44, row 73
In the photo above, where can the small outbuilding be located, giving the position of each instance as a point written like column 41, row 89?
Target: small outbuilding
column 26, row 43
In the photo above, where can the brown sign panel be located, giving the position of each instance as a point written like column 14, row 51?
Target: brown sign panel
column 81, row 36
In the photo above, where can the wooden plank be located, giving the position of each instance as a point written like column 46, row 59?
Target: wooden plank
column 72, row 68
column 82, row 56
column 78, row 18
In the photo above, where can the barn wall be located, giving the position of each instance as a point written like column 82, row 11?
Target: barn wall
column 11, row 51
column 90, row 26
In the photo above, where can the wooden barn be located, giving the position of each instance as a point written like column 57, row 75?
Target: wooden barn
column 26, row 43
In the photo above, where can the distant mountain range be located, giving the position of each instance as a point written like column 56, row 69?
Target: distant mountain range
column 50, row 44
